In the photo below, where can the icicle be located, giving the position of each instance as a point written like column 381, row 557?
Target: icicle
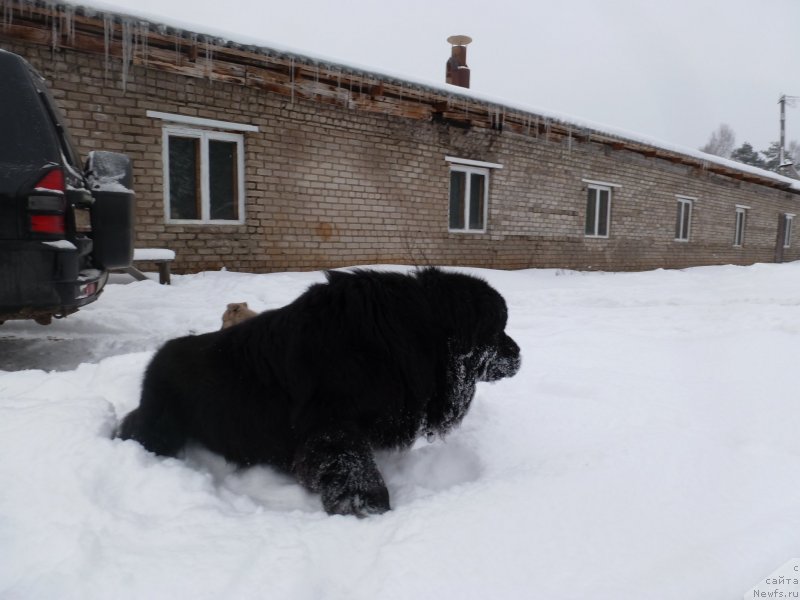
column 340, row 96
column 53, row 33
column 266, row 57
column 108, row 38
column 351, row 102
column 209, row 59
column 68, row 12
column 193, row 48
column 144, row 31
column 292, row 82
column 8, row 14
column 128, row 41
column 569, row 140
column 134, row 42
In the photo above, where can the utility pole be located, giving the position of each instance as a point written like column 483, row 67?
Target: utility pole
column 782, row 101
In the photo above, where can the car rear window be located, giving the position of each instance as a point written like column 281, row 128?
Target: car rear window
column 27, row 134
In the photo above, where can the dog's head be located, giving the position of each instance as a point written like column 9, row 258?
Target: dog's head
column 492, row 353
column 474, row 316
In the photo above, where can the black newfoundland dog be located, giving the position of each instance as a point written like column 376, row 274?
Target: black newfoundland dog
column 367, row 360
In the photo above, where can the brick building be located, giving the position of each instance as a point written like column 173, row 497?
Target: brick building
column 259, row 160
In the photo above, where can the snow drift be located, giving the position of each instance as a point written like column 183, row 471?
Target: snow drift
column 647, row 449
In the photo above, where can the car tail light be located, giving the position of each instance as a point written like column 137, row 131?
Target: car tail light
column 53, row 181
column 46, row 204
column 48, row 224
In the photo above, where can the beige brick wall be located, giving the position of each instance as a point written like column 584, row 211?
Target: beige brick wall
column 329, row 186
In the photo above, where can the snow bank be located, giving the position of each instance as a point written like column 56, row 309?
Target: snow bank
column 647, row 449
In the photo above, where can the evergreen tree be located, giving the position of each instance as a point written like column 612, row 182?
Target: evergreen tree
column 745, row 154
column 772, row 156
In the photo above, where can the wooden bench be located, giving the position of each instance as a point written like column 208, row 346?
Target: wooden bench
column 162, row 257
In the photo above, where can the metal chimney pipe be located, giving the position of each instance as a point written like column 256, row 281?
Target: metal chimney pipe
column 456, row 70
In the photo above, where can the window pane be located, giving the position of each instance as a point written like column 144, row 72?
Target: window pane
column 458, row 181
column 743, row 216
column 602, row 221
column 223, row 180
column 591, row 212
column 687, row 215
column 477, row 190
column 683, row 220
column 787, row 234
column 184, row 189
column 739, row 237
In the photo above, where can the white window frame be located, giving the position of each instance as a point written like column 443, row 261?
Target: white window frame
column 787, row 229
column 604, row 187
column 684, row 203
column 469, row 171
column 204, row 135
column 740, row 226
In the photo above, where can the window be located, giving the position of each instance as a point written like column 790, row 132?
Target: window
column 741, row 221
column 787, row 230
column 469, row 194
column 683, row 220
column 204, row 174
column 598, row 210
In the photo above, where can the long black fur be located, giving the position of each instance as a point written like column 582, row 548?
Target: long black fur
column 367, row 360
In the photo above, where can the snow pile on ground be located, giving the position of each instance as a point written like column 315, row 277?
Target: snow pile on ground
column 647, row 449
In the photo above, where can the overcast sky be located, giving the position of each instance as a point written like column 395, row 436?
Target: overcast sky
column 673, row 70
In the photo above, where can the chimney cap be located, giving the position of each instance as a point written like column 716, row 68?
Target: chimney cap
column 459, row 40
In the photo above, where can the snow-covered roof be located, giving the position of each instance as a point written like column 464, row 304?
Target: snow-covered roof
column 171, row 26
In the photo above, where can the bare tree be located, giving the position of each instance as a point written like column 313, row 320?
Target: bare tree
column 721, row 143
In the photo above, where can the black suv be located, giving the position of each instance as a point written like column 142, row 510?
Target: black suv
column 62, row 228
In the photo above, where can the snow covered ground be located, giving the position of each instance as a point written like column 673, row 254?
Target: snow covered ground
column 648, row 448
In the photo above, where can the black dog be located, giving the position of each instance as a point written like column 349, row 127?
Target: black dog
column 367, row 360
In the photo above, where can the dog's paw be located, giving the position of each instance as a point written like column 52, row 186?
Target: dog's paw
column 356, row 500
